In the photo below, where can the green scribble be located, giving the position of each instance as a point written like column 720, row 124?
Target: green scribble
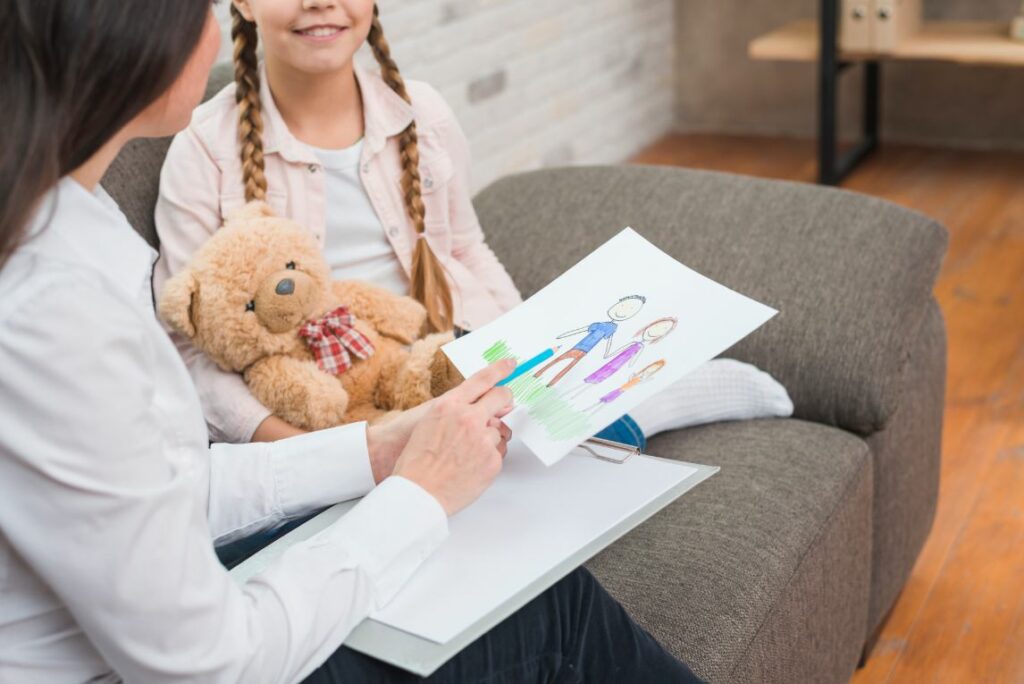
column 558, row 417
column 498, row 351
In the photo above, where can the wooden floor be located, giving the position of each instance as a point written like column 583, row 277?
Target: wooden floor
column 961, row 616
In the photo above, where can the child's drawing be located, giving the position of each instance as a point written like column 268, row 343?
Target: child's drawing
column 559, row 415
column 640, row 376
column 627, row 355
column 564, row 394
column 625, row 308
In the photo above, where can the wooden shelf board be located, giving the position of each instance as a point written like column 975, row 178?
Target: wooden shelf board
column 952, row 41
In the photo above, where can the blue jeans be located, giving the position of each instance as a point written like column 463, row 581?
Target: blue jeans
column 573, row 632
column 625, row 431
column 233, row 553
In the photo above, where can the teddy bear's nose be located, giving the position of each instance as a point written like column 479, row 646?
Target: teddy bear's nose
column 285, row 287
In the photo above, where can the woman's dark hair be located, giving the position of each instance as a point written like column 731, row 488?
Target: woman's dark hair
column 72, row 74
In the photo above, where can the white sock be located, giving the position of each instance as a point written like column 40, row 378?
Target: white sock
column 721, row 389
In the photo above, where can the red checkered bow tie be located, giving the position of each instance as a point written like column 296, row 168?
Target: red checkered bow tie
column 332, row 337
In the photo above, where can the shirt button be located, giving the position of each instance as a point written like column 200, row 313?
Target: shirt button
column 428, row 183
column 393, row 230
column 312, row 168
column 366, row 167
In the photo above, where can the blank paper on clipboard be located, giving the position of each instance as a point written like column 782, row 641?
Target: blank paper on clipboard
column 541, row 515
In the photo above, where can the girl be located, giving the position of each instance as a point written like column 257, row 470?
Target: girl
column 104, row 453
column 376, row 167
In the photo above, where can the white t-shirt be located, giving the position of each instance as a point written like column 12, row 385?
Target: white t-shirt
column 355, row 245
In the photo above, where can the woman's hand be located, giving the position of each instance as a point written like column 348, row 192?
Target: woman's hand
column 455, row 449
column 386, row 441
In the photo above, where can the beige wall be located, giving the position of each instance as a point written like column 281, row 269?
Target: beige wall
column 718, row 88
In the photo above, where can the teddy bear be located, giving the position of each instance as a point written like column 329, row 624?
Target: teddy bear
column 258, row 299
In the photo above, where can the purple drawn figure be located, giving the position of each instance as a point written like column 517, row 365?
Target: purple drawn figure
column 625, row 308
column 627, row 355
column 640, row 376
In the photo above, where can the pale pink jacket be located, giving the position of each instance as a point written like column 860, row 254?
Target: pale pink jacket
column 201, row 183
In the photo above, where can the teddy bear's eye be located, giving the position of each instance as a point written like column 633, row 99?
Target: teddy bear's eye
column 290, row 265
column 251, row 306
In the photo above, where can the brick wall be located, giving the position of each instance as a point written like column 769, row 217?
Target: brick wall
column 536, row 82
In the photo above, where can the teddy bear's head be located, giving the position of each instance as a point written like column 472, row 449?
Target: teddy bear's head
column 249, row 289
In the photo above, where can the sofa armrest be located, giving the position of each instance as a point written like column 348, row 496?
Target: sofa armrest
column 851, row 275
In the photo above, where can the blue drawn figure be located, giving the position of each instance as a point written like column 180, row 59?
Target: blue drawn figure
column 627, row 355
column 625, row 308
column 640, row 376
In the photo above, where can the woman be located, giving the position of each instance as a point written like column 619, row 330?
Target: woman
column 112, row 494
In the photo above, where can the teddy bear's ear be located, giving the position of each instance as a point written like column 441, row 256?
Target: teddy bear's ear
column 176, row 302
column 253, row 210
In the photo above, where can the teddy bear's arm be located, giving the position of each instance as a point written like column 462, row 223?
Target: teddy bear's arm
column 413, row 377
column 394, row 316
column 298, row 392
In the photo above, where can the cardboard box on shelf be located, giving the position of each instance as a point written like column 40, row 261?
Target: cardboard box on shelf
column 896, row 20
column 877, row 26
column 856, row 26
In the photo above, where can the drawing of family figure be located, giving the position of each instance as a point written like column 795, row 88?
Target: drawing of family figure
column 640, row 376
column 601, row 331
column 627, row 355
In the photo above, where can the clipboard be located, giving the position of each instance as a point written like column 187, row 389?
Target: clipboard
column 608, row 450
column 424, row 656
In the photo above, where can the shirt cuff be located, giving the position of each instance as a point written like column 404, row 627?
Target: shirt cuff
column 392, row 530
column 319, row 469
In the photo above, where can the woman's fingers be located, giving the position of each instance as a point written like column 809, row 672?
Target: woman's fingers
column 495, row 401
column 504, row 435
column 481, row 382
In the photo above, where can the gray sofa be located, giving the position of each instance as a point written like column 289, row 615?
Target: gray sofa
column 781, row 567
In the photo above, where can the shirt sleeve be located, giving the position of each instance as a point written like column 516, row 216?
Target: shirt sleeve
column 468, row 243
column 255, row 486
column 109, row 509
column 187, row 214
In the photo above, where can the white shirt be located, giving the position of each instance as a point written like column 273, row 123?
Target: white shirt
column 355, row 245
column 112, row 496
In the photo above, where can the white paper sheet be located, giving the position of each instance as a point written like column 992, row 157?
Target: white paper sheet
column 541, row 516
column 684, row 320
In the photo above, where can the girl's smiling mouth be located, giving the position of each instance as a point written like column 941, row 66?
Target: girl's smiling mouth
column 320, row 32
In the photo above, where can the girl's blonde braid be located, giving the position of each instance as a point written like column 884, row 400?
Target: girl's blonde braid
column 247, row 95
column 429, row 282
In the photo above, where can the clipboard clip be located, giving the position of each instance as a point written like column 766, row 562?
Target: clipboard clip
column 598, row 445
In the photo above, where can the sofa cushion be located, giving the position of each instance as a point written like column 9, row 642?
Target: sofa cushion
column 741, row 574
column 851, row 275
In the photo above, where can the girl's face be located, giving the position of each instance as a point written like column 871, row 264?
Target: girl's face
column 650, row 370
column 173, row 110
column 658, row 330
column 311, row 36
